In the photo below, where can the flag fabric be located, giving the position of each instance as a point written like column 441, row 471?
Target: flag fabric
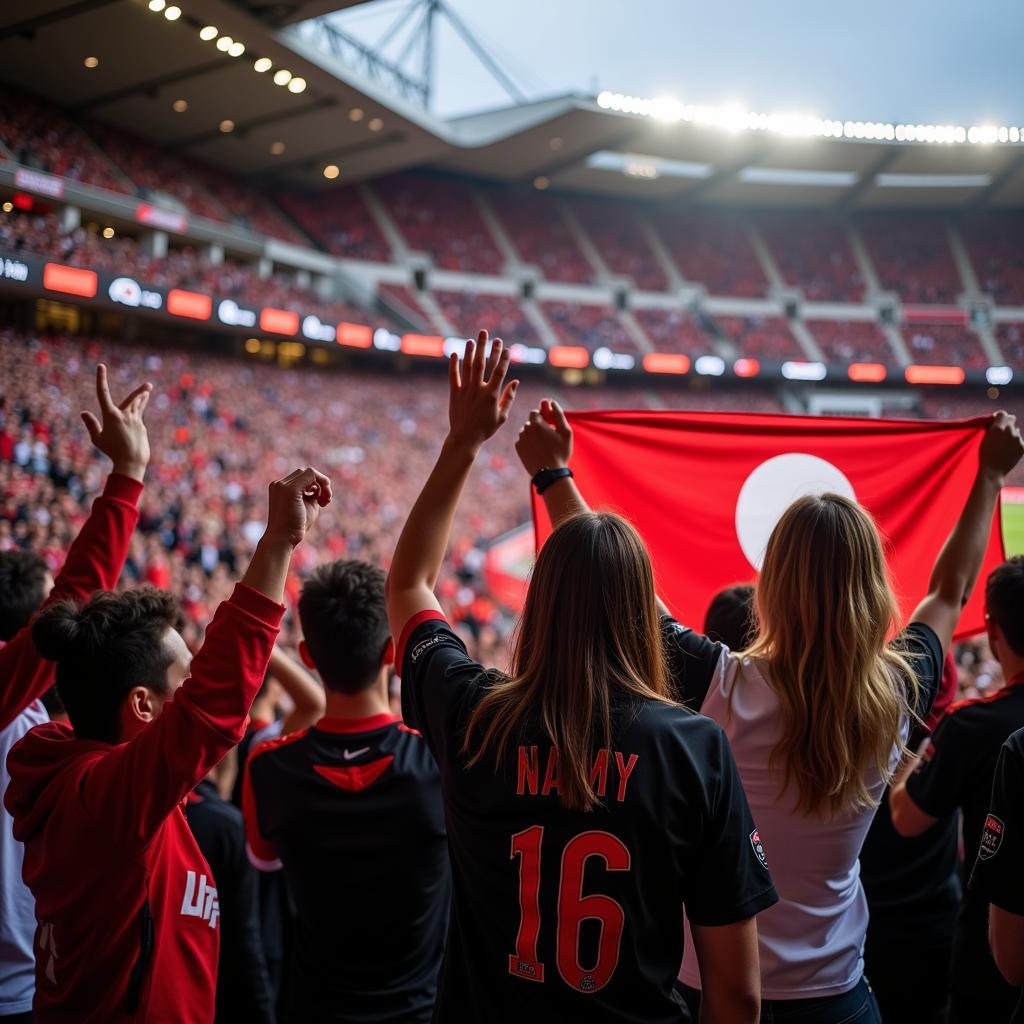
column 706, row 489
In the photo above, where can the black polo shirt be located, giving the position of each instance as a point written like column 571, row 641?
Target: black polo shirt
column 956, row 771
column 352, row 811
column 560, row 915
column 998, row 876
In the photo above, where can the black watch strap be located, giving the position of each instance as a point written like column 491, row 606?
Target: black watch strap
column 544, row 478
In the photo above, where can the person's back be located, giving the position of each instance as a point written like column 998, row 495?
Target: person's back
column 562, row 915
column 585, row 806
column 351, row 809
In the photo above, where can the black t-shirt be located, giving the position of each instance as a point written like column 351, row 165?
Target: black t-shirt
column 956, row 771
column 352, row 808
column 560, row 915
column 243, row 983
column 998, row 877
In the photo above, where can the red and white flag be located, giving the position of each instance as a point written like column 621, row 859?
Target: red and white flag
column 706, row 489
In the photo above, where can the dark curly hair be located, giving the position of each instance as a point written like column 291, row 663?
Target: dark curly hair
column 345, row 623
column 103, row 648
column 22, row 589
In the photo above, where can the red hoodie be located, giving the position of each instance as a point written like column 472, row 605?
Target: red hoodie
column 126, row 906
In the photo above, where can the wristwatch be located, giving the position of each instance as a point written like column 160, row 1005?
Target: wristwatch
column 544, row 478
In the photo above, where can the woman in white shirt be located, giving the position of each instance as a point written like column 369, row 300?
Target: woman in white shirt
column 817, row 712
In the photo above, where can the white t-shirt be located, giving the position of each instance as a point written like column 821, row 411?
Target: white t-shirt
column 812, row 941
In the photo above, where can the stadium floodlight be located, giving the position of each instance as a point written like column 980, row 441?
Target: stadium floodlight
column 262, row 64
column 108, row 232
column 710, row 366
column 276, row 148
column 180, row 106
column 282, row 76
column 225, row 43
column 297, row 85
column 236, row 49
column 331, row 171
column 541, row 182
column 91, row 62
column 227, row 125
column 172, row 13
column 375, row 124
column 356, row 114
column 208, row 32
column 156, row 6
column 999, row 375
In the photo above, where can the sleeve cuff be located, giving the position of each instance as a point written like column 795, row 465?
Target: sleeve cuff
column 123, row 488
column 737, row 912
column 428, row 615
column 258, row 605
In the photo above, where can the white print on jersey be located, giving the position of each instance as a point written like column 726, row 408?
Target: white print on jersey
column 200, row 901
column 48, row 944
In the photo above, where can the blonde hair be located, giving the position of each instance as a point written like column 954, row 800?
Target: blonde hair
column 590, row 628
column 826, row 614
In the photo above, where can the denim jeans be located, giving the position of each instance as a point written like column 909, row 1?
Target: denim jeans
column 858, row 1006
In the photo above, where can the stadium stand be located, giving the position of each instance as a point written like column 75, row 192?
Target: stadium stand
column 760, row 337
column 994, row 243
column 713, row 249
column 672, row 330
column 39, row 135
column 615, row 229
column 813, row 253
column 540, row 236
column 340, row 222
column 408, row 304
column 591, row 326
column 912, row 257
column 502, row 315
column 439, row 217
column 1010, row 338
column 944, row 344
column 851, row 341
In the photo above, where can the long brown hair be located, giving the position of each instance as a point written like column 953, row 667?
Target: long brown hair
column 590, row 627
column 826, row 613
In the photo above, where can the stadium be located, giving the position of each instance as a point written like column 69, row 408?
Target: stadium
column 262, row 214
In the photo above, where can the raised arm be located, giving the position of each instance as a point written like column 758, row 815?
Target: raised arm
column 97, row 556
column 207, row 716
column 479, row 403
column 545, row 442
column 959, row 562
column 306, row 694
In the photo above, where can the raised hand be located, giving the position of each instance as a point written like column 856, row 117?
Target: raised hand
column 1002, row 446
column 295, row 504
column 545, row 442
column 120, row 433
column 479, row 401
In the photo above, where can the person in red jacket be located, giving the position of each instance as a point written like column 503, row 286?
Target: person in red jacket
column 93, row 563
column 126, row 906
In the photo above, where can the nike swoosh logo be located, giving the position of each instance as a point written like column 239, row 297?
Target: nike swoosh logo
column 350, row 754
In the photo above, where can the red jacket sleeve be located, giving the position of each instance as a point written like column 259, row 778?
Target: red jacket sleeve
column 137, row 784
column 94, row 563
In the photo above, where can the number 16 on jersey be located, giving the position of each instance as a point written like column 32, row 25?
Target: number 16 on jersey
column 573, row 909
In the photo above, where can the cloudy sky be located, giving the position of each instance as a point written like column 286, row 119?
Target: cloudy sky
column 958, row 61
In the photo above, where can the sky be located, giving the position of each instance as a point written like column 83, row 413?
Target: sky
column 937, row 61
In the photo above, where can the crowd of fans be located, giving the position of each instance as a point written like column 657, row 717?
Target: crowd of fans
column 593, row 327
column 672, row 330
column 617, row 232
column 912, row 256
column 945, row 344
column 850, row 341
column 813, row 254
column 760, row 337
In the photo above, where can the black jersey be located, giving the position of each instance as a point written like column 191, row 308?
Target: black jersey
column 957, row 770
column 560, row 915
column 352, row 810
column 998, row 878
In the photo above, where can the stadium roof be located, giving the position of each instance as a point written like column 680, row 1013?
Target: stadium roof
column 348, row 112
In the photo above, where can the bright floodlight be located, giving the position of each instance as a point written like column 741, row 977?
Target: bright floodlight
column 91, row 62
column 208, row 32
column 282, row 77
column 263, row 64
column 227, row 125
column 157, row 5
column 225, row 43
column 236, row 49
column 172, row 13
column 331, row 171
column 297, row 85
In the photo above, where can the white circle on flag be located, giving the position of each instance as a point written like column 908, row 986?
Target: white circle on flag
column 772, row 487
